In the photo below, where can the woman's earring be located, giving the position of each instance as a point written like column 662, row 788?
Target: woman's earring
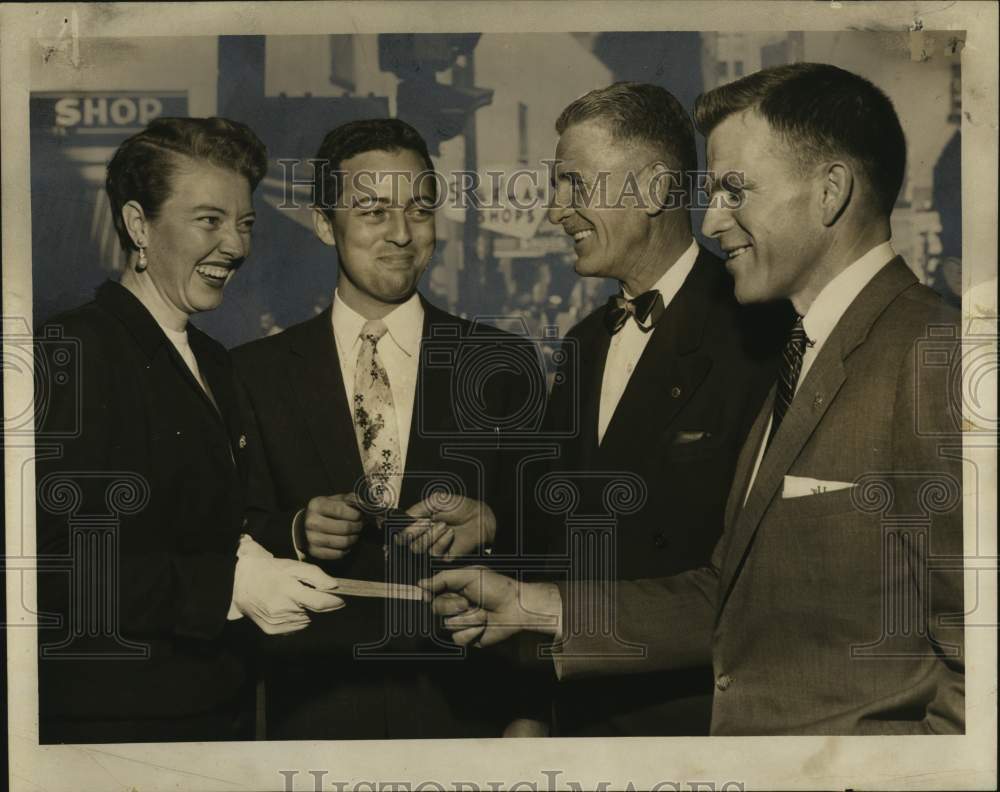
column 142, row 263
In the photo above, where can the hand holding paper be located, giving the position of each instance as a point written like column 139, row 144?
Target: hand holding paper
column 277, row 592
column 449, row 526
column 330, row 526
column 484, row 607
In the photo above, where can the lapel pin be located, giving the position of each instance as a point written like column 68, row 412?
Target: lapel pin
column 818, row 401
column 675, row 392
column 243, row 441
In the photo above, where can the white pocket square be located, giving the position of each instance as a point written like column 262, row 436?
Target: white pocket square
column 800, row 486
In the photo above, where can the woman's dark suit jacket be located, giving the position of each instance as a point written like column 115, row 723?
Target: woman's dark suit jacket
column 136, row 471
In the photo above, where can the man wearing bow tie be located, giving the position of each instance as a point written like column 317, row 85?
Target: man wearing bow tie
column 833, row 603
column 665, row 384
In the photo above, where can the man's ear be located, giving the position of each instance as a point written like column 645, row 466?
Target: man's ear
column 838, row 187
column 658, row 184
column 135, row 223
column 323, row 228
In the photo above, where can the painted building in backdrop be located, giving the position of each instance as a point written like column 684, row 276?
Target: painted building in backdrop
column 495, row 101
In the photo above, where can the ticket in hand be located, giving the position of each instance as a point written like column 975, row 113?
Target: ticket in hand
column 376, row 588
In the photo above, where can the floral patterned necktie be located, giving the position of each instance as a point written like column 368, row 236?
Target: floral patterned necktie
column 375, row 420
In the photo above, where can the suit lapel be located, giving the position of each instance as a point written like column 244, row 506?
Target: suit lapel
column 187, row 375
column 746, row 461
column 432, row 406
column 217, row 374
column 807, row 409
column 150, row 337
column 593, row 357
column 315, row 378
column 670, row 368
column 811, row 402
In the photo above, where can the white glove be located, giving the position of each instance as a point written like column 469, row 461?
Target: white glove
column 247, row 547
column 276, row 592
column 250, row 547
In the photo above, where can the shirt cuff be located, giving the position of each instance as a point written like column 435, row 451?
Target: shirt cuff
column 557, row 642
column 298, row 533
column 557, row 663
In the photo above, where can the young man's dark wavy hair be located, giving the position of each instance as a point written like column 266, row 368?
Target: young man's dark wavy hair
column 357, row 137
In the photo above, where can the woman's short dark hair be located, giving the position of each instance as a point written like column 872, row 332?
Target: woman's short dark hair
column 821, row 111
column 639, row 112
column 357, row 137
column 143, row 166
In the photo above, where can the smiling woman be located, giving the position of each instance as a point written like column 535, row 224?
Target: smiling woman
column 149, row 441
column 180, row 197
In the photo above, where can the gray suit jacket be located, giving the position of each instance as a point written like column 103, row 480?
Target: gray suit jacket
column 838, row 612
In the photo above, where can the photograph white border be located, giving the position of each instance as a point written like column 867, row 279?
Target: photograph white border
column 966, row 762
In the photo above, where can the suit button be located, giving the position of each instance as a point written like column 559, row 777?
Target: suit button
column 660, row 540
column 723, row 681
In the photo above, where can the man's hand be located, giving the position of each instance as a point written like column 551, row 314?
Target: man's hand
column 276, row 592
column 330, row 526
column 449, row 526
column 484, row 608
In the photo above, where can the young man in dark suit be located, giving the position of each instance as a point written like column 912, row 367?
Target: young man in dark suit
column 666, row 380
column 833, row 603
column 359, row 411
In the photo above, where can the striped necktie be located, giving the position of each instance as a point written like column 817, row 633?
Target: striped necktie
column 788, row 375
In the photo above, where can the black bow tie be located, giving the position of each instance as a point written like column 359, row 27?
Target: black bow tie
column 646, row 309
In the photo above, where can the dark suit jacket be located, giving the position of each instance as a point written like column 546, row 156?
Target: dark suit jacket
column 135, row 468
column 678, row 429
column 302, row 444
column 838, row 612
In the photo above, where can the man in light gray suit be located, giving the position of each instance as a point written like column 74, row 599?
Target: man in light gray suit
column 833, row 603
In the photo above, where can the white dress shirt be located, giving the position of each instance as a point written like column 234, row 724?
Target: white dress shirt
column 823, row 315
column 627, row 344
column 144, row 291
column 399, row 351
column 179, row 338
